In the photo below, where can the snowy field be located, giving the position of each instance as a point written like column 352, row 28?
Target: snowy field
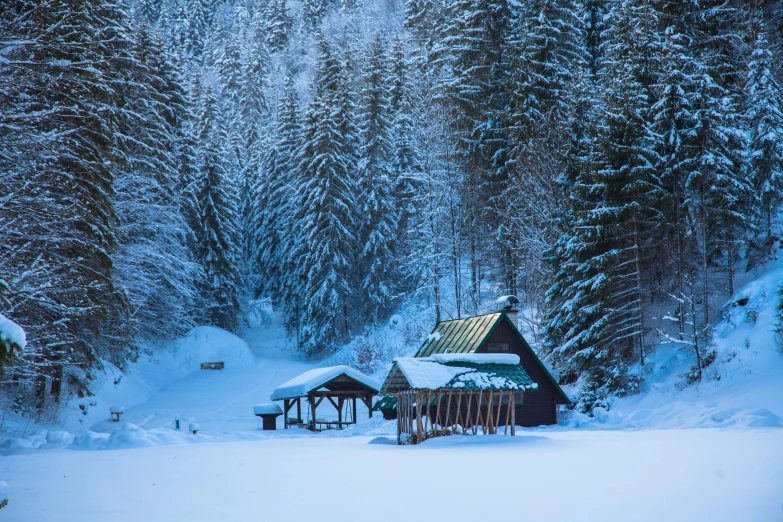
column 664, row 475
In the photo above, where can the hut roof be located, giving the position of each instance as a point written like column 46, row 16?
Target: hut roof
column 331, row 378
column 469, row 335
column 477, row 372
column 459, row 335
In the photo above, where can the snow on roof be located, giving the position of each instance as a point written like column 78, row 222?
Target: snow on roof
column 268, row 408
column 426, row 373
column 431, row 373
column 12, row 332
column 475, row 358
column 311, row 380
column 504, row 298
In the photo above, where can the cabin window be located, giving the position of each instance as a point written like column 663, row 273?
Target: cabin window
column 498, row 347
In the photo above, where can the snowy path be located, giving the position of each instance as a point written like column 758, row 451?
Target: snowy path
column 573, row 476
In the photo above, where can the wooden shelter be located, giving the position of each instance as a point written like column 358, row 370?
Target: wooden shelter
column 337, row 384
column 497, row 333
column 455, row 394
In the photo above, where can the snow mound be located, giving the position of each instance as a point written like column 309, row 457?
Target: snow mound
column 210, row 344
column 311, row 380
column 12, row 332
column 4, row 489
column 127, row 436
column 268, row 408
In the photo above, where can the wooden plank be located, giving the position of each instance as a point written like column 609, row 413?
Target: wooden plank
column 500, row 407
column 399, row 418
column 448, row 410
column 418, row 418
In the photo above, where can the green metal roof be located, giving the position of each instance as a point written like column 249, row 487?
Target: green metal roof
column 469, row 336
column 460, row 335
column 500, row 377
column 385, row 403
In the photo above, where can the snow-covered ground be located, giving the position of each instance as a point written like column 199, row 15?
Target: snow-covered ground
column 569, row 476
column 712, row 451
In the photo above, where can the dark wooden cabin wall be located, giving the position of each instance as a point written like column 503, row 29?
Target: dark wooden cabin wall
column 539, row 408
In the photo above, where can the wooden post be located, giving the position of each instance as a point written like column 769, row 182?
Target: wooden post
column 448, row 411
column 459, row 412
column 470, row 415
column 354, row 409
column 286, row 407
column 418, row 418
column 340, row 401
column 513, row 415
column 437, row 413
column 399, row 418
column 299, row 408
column 369, row 404
column 479, row 416
column 313, row 406
column 500, row 408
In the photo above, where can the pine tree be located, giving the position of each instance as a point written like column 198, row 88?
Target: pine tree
column 378, row 227
column 274, row 194
column 195, row 29
column 313, row 12
column 325, row 210
column 765, row 120
column 153, row 262
column 406, row 157
column 218, row 235
column 278, row 25
column 549, row 36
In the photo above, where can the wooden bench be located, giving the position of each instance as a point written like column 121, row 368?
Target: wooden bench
column 329, row 424
column 212, row 365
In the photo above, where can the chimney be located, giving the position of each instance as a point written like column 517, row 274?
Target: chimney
column 509, row 304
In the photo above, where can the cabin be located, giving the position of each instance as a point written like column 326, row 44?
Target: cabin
column 497, row 333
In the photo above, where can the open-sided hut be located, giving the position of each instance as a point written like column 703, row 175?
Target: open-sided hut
column 337, row 384
column 496, row 333
column 456, row 394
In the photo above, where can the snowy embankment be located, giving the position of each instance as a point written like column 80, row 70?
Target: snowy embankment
column 169, row 386
column 602, row 476
column 741, row 388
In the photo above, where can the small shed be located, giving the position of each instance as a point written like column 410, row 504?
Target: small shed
column 337, row 384
column 455, row 394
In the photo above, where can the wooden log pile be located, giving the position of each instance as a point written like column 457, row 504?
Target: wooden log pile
column 424, row 414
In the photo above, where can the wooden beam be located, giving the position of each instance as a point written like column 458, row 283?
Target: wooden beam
column 335, row 393
column 419, row 429
column 340, row 402
column 333, row 403
column 299, row 408
column 311, row 400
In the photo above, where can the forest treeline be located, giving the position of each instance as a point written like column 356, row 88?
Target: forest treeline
column 164, row 162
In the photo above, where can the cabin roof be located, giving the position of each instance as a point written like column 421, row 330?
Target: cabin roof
column 435, row 373
column 469, row 335
column 459, row 335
